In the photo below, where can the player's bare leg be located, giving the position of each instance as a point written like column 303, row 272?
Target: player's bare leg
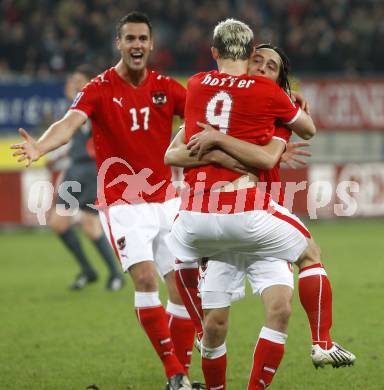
column 277, row 307
column 63, row 228
column 180, row 324
column 153, row 318
column 213, row 349
column 92, row 228
column 316, row 297
column 59, row 223
column 269, row 349
column 91, row 225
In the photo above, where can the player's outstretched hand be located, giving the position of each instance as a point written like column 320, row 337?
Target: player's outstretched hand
column 300, row 99
column 201, row 143
column 290, row 156
column 27, row 150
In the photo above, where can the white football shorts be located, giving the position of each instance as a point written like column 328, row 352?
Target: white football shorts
column 137, row 232
column 265, row 235
column 224, row 279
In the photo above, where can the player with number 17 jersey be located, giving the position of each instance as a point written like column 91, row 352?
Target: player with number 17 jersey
column 125, row 120
column 232, row 104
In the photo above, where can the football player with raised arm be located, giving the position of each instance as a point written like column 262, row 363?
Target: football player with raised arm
column 131, row 109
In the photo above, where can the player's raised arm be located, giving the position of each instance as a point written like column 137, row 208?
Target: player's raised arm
column 292, row 115
column 58, row 134
column 300, row 99
column 303, row 126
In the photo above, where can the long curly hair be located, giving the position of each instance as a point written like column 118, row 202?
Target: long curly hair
column 285, row 67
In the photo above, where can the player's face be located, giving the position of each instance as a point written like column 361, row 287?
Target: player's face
column 265, row 62
column 135, row 44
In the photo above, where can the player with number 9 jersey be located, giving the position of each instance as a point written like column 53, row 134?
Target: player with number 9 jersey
column 245, row 107
column 125, row 120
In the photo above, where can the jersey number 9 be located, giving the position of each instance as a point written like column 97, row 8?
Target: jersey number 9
column 219, row 111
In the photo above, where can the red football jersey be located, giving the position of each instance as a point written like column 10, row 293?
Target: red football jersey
column 133, row 125
column 245, row 107
column 273, row 175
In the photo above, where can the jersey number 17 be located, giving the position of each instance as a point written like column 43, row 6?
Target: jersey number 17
column 135, row 122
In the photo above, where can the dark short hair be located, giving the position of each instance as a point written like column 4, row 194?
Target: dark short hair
column 133, row 17
column 285, row 67
column 87, row 70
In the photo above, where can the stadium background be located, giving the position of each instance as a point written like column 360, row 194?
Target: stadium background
column 336, row 50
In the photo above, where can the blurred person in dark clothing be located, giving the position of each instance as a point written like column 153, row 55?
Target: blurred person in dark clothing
column 82, row 169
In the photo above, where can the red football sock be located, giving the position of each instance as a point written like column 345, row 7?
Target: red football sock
column 153, row 319
column 266, row 359
column 214, row 365
column 182, row 332
column 316, row 297
column 187, row 280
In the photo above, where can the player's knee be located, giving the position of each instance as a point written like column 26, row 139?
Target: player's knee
column 91, row 233
column 58, row 224
column 91, row 226
column 284, row 313
column 173, row 291
column 279, row 313
column 88, row 231
column 145, row 281
column 215, row 327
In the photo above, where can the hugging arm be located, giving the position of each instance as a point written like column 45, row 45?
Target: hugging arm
column 250, row 155
column 178, row 155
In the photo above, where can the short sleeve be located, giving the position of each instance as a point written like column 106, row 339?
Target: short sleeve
column 284, row 108
column 179, row 95
column 86, row 100
column 282, row 133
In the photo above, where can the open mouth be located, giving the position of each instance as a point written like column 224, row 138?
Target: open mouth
column 137, row 57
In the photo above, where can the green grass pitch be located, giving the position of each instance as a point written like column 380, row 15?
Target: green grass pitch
column 51, row 338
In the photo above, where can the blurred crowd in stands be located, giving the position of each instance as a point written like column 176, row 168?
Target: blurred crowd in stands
column 45, row 37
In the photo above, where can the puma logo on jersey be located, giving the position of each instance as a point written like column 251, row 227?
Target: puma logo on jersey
column 118, row 101
column 101, row 79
